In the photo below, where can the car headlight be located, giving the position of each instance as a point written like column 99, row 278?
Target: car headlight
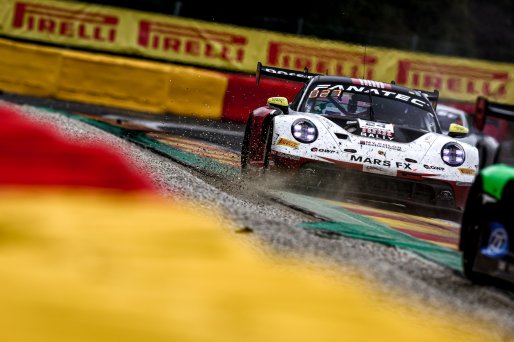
column 453, row 154
column 304, row 131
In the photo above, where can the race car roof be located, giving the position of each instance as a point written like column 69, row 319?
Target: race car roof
column 363, row 82
column 305, row 76
column 369, row 86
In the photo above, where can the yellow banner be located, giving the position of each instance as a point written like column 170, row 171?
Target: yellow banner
column 65, row 23
column 455, row 78
column 228, row 47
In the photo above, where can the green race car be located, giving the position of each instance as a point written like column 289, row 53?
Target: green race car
column 487, row 230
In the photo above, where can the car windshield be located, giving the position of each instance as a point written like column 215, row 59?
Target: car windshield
column 370, row 107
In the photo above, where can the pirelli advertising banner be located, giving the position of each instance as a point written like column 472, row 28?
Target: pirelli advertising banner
column 232, row 48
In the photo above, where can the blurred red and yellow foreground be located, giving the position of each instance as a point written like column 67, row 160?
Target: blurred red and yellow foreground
column 90, row 252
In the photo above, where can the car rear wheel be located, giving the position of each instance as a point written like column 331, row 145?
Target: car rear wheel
column 267, row 141
column 245, row 149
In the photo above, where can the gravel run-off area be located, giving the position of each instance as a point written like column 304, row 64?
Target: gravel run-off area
column 272, row 229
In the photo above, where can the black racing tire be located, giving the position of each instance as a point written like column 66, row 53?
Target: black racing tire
column 471, row 244
column 476, row 228
column 478, row 235
column 268, row 134
column 470, row 234
column 245, row 148
column 246, row 151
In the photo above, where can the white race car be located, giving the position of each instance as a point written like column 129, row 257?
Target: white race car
column 360, row 136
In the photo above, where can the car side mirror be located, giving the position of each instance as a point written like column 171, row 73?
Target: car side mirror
column 279, row 102
column 457, row 131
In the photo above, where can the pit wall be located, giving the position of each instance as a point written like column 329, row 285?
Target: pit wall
column 133, row 84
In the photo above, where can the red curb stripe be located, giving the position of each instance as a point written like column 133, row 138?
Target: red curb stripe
column 406, row 219
column 204, row 150
column 430, row 237
column 221, row 156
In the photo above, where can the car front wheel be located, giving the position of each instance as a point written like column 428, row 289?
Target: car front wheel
column 245, row 149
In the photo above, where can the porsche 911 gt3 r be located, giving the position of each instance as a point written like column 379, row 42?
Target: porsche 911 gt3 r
column 487, row 227
column 361, row 136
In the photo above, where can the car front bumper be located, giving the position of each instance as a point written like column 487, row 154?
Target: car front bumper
column 351, row 180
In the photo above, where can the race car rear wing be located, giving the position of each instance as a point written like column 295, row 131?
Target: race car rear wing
column 298, row 76
column 484, row 108
column 285, row 74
